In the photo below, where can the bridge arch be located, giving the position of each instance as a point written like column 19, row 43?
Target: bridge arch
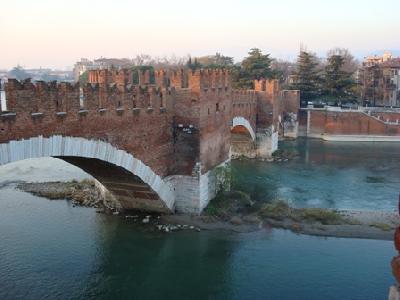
column 76, row 147
column 240, row 121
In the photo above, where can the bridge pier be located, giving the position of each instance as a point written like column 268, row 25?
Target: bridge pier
column 193, row 193
column 266, row 142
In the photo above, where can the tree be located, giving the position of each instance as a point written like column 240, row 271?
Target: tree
column 350, row 64
column 217, row 61
column 256, row 66
column 337, row 82
column 193, row 65
column 282, row 69
column 83, row 78
column 306, row 78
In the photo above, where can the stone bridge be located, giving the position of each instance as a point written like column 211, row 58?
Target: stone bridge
column 157, row 144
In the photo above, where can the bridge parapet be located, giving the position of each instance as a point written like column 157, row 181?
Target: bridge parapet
column 42, row 98
column 26, row 97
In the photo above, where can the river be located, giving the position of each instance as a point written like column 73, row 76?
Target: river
column 51, row 250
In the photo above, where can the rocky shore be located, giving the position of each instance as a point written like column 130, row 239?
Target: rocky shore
column 233, row 211
column 84, row 193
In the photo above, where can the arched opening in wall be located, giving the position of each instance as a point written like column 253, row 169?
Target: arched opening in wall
column 129, row 190
column 118, row 187
column 132, row 184
column 242, row 143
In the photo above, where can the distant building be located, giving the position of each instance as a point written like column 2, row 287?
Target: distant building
column 81, row 67
column 374, row 60
column 107, row 63
column 85, row 64
column 380, row 80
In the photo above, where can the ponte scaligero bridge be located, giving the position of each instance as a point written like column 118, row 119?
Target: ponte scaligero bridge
column 154, row 145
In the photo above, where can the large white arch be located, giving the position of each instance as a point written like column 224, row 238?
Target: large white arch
column 73, row 146
column 240, row 121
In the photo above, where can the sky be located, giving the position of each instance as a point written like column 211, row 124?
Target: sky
column 57, row 33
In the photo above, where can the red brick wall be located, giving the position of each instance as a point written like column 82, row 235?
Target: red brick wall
column 387, row 116
column 290, row 101
column 215, row 120
column 349, row 123
column 145, row 133
column 244, row 104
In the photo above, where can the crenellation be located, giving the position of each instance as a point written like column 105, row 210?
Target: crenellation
column 160, row 78
column 195, row 80
column 176, row 78
column 154, row 98
column 144, row 77
column 91, row 92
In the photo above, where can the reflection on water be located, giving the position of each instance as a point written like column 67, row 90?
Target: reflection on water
column 326, row 174
column 51, row 250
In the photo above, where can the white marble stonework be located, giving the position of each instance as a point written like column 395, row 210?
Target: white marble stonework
column 73, row 146
column 193, row 193
column 240, row 121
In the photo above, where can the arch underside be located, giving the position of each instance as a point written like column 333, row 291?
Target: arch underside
column 242, row 139
column 128, row 189
column 243, row 122
column 132, row 183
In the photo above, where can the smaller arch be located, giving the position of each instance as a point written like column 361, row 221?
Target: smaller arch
column 240, row 121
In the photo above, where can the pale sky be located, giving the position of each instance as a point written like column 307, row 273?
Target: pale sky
column 56, row 33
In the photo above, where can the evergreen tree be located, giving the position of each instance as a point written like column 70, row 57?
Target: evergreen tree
column 217, row 61
column 307, row 79
column 193, row 65
column 256, row 66
column 337, row 82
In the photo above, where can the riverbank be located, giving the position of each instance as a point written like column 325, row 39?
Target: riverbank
column 235, row 211
column 84, row 193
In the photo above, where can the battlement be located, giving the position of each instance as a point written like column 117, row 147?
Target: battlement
column 26, row 85
column 161, row 78
column 193, row 79
column 270, row 86
column 60, row 98
column 106, row 76
column 209, row 78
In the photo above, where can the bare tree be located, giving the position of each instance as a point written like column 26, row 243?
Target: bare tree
column 350, row 64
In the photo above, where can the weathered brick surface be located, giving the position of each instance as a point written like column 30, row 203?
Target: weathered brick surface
column 273, row 102
column 351, row 123
column 172, row 126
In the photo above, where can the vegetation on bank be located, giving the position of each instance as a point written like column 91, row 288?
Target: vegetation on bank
column 231, row 203
column 280, row 210
column 382, row 226
column 285, row 154
column 232, row 208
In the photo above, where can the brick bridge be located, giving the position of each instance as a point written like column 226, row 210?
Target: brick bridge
column 156, row 144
